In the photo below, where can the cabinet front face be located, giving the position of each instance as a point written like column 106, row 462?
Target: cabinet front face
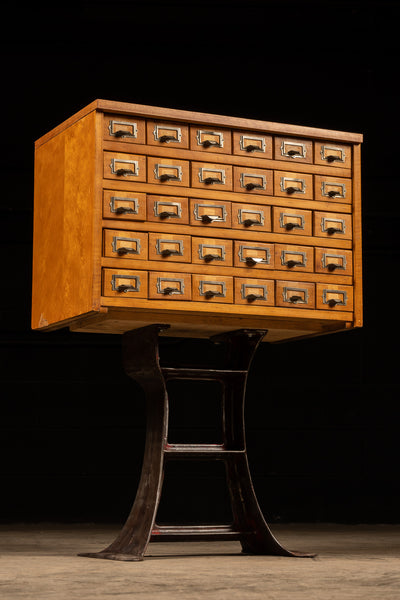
column 214, row 219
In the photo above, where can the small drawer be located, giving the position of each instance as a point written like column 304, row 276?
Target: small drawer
column 330, row 260
column 212, row 288
column 127, row 206
column 170, row 286
column 252, row 144
column 167, row 134
column 295, row 294
column 123, row 166
column 294, row 258
column 334, row 297
column 253, row 181
column 209, row 213
column 167, row 209
column 257, row 255
column 251, row 217
column 332, row 154
column 125, row 244
column 292, row 221
column 170, row 247
column 125, row 283
column 211, row 176
column 124, row 129
column 167, row 171
column 332, row 189
column 211, row 139
column 254, row 292
column 293, row 149
column 333, row 225
column 293, row 185
column 211, row 251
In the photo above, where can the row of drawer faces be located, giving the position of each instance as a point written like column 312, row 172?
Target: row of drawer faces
column 248, row 180
column 238, row 290
column 212, row 214
column 225, row 141
column 225, row 253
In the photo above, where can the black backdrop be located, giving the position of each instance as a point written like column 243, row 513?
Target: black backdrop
column 322, row 414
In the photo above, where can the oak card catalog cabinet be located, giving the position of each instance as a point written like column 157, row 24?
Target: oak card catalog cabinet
column 208, row 223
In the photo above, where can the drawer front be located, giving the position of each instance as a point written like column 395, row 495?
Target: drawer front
column 167, row 209
column 330, row 260
column 332, row 154
column 254, row 292
column 333, row 225
column 295, row 294
column 212, row 288
column 125, row 244
column 125, row 283
column 292, row 221
column 253, row 181
column 124, row 166
column 211, row 176
column 167, row 171
column 294, row 258
column 293, row 150
column 211, row 139
column 211, row 251
column 168, row 134
column 335, row 189
column 251, row 217
column 209, row 213
column 293, row 185
column 124, row 129
column 170, row 247
column 255, row 255
column 126, row 206
column 252, row 144
column 169, row 286
column 334, row 297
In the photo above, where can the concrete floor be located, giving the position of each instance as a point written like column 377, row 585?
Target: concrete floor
column 39, row 562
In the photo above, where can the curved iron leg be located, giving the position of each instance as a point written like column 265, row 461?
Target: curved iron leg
column 140, row 357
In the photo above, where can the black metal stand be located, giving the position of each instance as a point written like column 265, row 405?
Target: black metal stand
column 141, row 362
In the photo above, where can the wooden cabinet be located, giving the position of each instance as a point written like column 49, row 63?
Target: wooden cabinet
column 149, row 215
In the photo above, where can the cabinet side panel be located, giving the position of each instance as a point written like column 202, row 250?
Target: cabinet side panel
column 62, row 286
column 357, row 238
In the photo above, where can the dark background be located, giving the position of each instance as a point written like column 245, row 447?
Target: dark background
column 322, row 414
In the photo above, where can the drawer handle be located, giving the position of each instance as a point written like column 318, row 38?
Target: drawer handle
column 252, row 148
column 125, row 172
column 332, row 230
column 289, row 226
column 125, row 288
column 124, row 209
column 122, row 133
column 166, row 213
column 123, row 250
column 210, row 180
column 168, row 177
column 254, row 260
column 250, row 222
column 252, row 297
column 210, row 257
column 208, row 143
column 168, row 252
column 293, row 263
column 209, row 218
column 332, row 302
column 170, row 290
column 333, row 193
column 332, row 157
column 333, row 266
column 294, row 153
column 167, row 138
column 212, row 293
column 253, row 186
column 292, row 190
column 295, row 298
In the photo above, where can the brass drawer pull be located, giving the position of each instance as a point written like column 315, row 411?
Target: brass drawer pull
column 250, row 146
column 331, row 266
column 169, row 251
column 331, row 229
column 211, row 293
column 210, row 256
column 209, row 179
column 120, row 210
column 121, row 250
column 165, row 214
column 123, row 132
column 299, row 153
column 210, row 218
column 331, row 302
column 165, row 138
column 290, row 295
column 207, row 142
column 177, row 176
column 331, row 157
column 292, row 189
column 169, row 290
column 251, row 296
column 292, row 262
column 124, row 170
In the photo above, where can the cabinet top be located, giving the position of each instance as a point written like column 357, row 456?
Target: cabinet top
column 157, row 112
